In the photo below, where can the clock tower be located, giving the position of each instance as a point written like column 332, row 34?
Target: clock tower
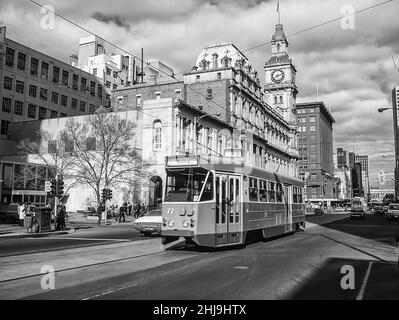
column 280, row 89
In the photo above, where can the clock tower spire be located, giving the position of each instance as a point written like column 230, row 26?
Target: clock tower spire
column 280, row 89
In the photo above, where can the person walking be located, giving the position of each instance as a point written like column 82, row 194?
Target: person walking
column 122, row 212
column 137, row 209
column 21, row 214
column 129, row 208
column 61, row 218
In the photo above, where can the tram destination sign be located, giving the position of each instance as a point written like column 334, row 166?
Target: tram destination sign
column 182, row 161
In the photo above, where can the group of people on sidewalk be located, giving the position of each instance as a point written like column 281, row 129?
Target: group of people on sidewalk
column 26, row 210
column 120, row 213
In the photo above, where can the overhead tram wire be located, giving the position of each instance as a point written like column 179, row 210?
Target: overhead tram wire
column 174, row 75
column 125, row 51
column 308, row 28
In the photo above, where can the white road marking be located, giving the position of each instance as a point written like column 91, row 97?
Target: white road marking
column 111, row 291
column 90, row 239
column 364, row 283
column 240, row 267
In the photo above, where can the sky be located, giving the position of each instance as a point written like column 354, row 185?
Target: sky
column 349, row 60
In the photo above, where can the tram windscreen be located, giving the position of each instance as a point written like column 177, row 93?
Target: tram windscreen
column 186, row 185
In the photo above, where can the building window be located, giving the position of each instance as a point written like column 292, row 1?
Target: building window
column 312, row 128
column 19, row 87
column 95, row 71
column 63, row 115
column 34, row 66
column 64, row 101
column 75, row 82
column 281, row 99
column 21, row 61
column 32, row 91
column 209, row 93
column 4, row 127
column 312, row 157
column 43, row 94
column 312, row 119
column 312, row 138
column 311, row 110
column 219, row 75
column 82, row 106
column 157, row 95
column 108, row 71
column 54, row 97
column 56, row 74
column 42, row 113
column 18, row 107
column 92, row 108
column 115, row 86
column 10, row 57
column 197, row 77
column 100, row 91
column 92, row 88
column 138, row 100
column 31, row 111
column 178, row 94
column 275, row 99
column 54, row 114
column 312, row 148
column 83, row 84
column 115, row 75
column 108, row 84
column 74, row 104
column 157, row 135
column 65, row 78
column 6, row 107
column 44, row 70
column 8, row 83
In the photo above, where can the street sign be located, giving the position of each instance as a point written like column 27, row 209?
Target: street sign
column 47, row 186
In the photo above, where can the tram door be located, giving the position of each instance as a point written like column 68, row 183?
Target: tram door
column 288, row 198
column 228, row 209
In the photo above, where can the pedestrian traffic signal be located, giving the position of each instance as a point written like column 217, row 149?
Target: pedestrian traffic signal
column 60, row 188
column 53, row 190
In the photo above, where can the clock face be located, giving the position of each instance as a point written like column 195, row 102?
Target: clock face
column 277, row 75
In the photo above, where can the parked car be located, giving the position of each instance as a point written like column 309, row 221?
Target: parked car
column 393, row 211
column 358, row 208
column 319, row 211
column 150, row 223
column 378, row 209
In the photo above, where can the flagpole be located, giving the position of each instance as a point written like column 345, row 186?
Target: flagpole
column 278, row 10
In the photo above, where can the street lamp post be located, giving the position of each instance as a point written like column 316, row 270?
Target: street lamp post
column 196, row 119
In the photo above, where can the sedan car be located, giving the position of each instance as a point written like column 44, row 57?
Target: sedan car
column 393, row 211
column 319, row 211
column 150, row 223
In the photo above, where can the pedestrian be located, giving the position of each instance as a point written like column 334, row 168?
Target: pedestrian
column 122, row 213
column 61, row 218
column 129, row 207
column 137, row 209
column 21, row 214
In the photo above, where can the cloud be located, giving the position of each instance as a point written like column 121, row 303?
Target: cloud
column 118, row 20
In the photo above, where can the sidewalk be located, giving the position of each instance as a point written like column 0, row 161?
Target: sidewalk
column 14, row 231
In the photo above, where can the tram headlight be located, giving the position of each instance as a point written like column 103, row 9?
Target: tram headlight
column 171, row 223
column 191, row 212
column 183, row 212
column 185, row 224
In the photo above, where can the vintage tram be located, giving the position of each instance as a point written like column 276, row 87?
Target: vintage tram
column 219, row 204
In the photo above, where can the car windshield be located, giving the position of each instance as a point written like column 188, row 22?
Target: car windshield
column 186, row 185
column 394, row 207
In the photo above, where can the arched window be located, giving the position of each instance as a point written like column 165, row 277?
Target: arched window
column 157, row 135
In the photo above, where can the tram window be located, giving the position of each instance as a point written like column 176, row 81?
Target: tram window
column 237, row 202
column 186, row 185
column 207, row 194
column 300, row 199
column 253, row 189
column 279, row 193
column 232, row 209
column 271, row 191
column 262, row 190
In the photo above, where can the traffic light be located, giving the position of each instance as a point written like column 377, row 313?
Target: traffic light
column 109, row 194
column 106, row 194
column 53, row 190
column 60, row 189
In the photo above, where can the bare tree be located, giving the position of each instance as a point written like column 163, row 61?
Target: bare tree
column 102, row 151
column 48, row 149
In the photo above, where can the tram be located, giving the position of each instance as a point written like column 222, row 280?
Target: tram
column 219, row 204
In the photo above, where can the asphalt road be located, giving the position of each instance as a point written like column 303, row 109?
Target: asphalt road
column 305, row 265
column 82, row 237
